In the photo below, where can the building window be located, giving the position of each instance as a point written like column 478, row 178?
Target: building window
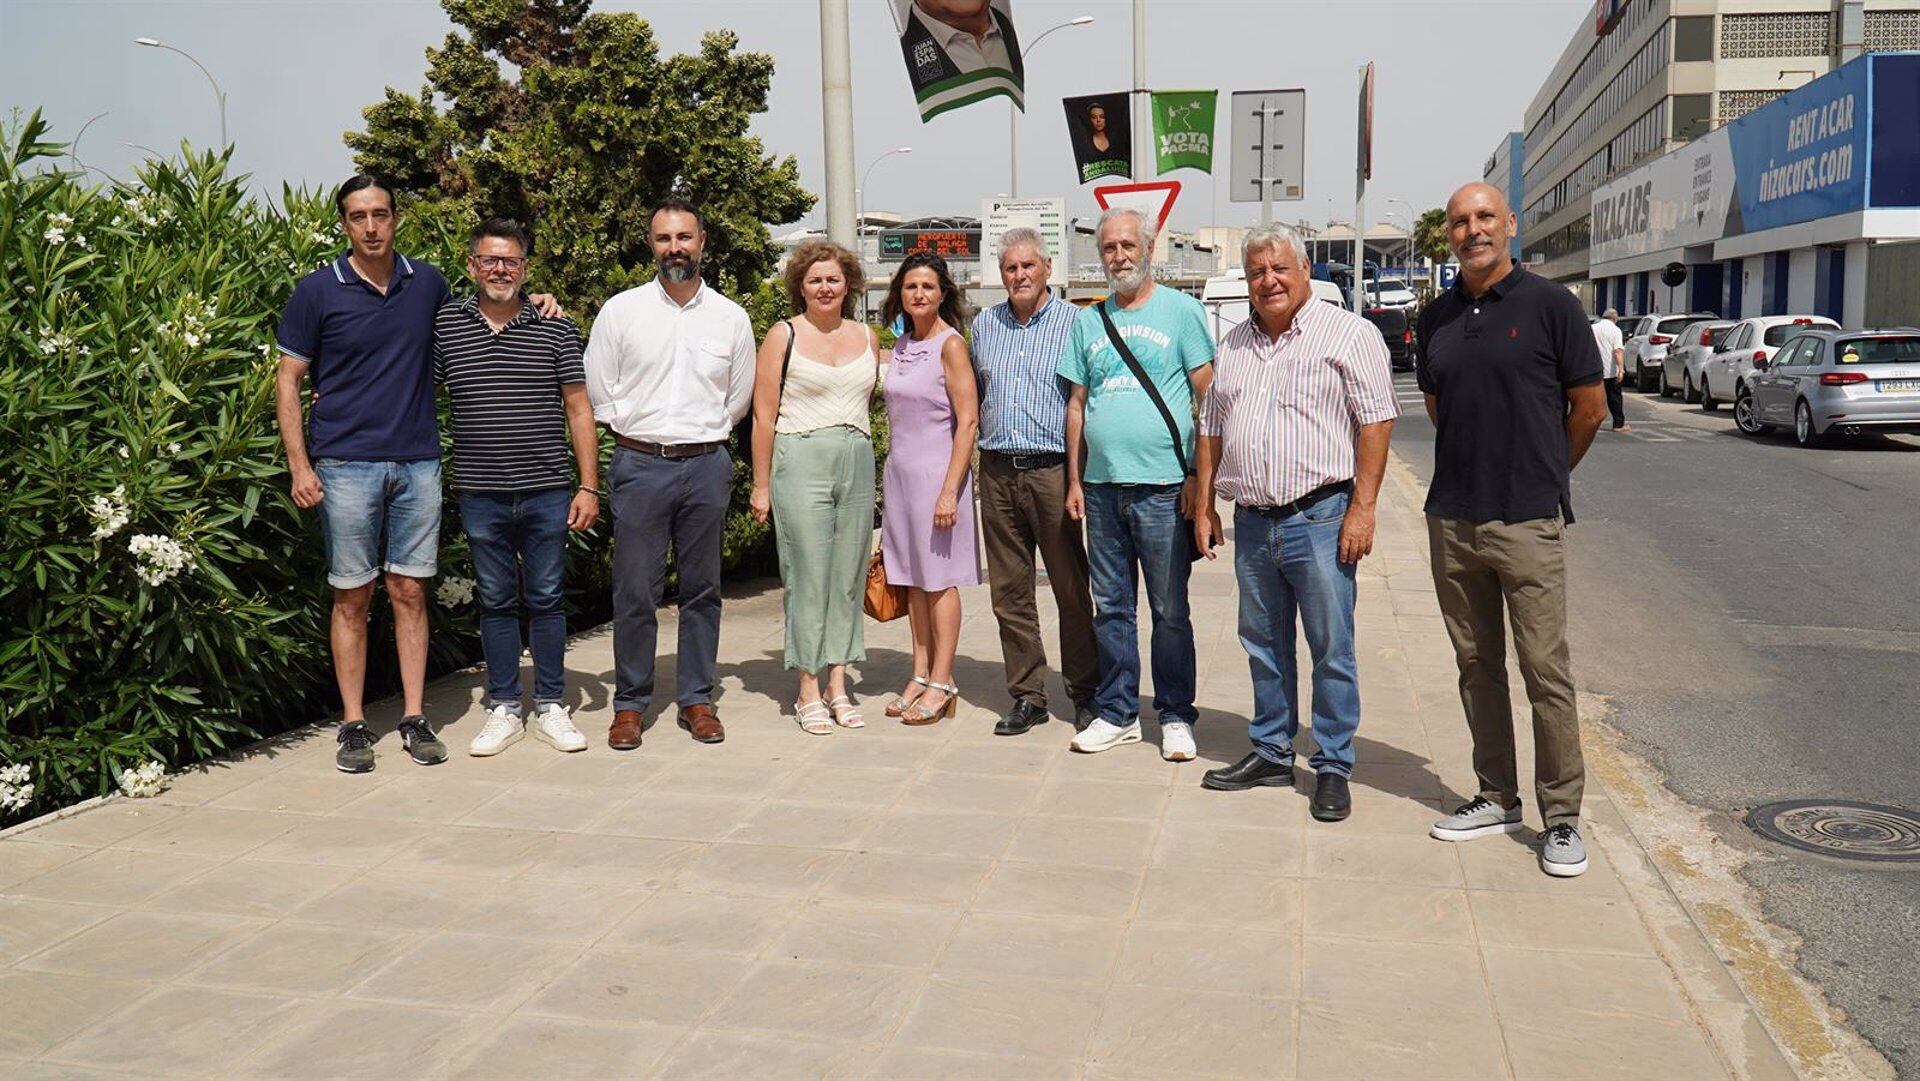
column 1735, row 104
column 1892, row 31
column 1803, row 33
column 1693, row 37
column 1692, row 116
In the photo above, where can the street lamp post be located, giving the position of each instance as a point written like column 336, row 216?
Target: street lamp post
column 1013, row 111
column 860, row 213
column 220, row 96
column 1406, row 212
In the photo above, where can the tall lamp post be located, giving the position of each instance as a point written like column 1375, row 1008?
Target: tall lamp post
column 1406, row 212
column 1013, row 111
column 220, row 96
column 859, row 214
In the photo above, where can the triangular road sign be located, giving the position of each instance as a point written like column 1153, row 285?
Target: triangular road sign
column 1154, row 198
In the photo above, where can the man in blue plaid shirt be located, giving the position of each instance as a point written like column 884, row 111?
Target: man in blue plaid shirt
column 1023, row 484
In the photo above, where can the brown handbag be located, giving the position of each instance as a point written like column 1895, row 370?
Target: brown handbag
column 884, row 602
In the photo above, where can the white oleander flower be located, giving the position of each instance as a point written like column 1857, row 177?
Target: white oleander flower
column 158, row 558
column 16, row 787
column 123, row 452
column 454, row 592
column 54, row 235
column 52, row 343
column 320, row 236
column 142, row 782
column 109, row 512
column 173, row 449
column 62, row 220
column 80, row 240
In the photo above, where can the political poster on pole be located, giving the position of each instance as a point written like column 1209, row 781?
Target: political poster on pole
column 1101, row 132
column 959, row 52
column 1183, row 129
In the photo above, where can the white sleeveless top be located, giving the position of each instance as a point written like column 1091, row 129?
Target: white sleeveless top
column 821, row 395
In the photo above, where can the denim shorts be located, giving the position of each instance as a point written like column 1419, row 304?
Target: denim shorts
column 379, row 516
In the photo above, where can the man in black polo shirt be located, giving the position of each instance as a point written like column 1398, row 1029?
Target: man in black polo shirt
column 1513, row 387
column 519, row 394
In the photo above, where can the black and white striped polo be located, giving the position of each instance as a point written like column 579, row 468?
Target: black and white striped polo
column 509, row 427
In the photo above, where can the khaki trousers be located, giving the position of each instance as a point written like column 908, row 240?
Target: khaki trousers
column 1022, row 510
column 1479, row 568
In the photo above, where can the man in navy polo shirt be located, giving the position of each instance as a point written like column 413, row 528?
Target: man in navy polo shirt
column 369, row 455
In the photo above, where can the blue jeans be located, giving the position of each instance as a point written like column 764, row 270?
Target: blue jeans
column 519, row 544
column 660, row 503
column 1290, row 567
column 1139, row 526
column 379, row 516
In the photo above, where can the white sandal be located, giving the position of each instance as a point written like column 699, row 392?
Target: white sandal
column 814, row 718
column 899, row 706
column 845, row 713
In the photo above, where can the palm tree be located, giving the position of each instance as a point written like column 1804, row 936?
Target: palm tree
column 1430, row 235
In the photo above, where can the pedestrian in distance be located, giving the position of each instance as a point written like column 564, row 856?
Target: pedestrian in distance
column 1513, row 386
column 1294, row 433
column 926, row 526
column 1613, row 356
column 670, row 371
column 1137, row 362
column 519, row 400
column 813, row 473
column 367, row 456
column 1017, row 347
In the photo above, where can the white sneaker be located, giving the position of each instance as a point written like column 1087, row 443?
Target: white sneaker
column 1103, row 734
column 554, row 727
column 502, row 730
column 1176, row 741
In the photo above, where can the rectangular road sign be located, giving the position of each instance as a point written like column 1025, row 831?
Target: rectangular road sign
column 1268, row 131
column 1049, row 216
column 961, row 245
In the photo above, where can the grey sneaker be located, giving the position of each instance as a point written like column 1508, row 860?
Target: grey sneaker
column 1477, row 818
column 1562, row 855
column 356, row 748
column 416, row 735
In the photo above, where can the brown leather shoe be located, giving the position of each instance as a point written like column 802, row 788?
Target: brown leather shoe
column 703, row 722
column 625, row 733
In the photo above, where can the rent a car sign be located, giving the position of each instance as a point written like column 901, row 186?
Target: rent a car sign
column 1804, row 156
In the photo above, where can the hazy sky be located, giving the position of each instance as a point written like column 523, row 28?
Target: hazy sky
column 298, row 72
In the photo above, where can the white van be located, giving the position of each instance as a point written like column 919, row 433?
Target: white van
column 1225, row 299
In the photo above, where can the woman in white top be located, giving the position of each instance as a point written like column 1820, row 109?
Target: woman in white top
column 813, row 472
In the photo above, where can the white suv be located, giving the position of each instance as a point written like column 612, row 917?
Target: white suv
column 1759, row 338
column 1647, row 345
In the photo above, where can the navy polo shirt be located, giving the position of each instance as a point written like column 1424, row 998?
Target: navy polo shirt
column 1499, row 366
column 372, row 360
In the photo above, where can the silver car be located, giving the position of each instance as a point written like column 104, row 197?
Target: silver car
column 1755, row 338
column 1823, row 381
column 1690, row 349
column 1646, row 347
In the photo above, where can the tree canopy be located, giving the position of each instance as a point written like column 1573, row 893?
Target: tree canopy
column 1430, row 235
column 571, row 120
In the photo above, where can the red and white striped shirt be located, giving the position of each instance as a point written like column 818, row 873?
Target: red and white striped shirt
column 1287, row 410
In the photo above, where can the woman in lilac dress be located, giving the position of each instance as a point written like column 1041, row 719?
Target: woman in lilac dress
column 926, row 520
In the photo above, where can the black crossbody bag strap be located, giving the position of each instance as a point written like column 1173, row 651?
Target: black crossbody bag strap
column 1146, row 384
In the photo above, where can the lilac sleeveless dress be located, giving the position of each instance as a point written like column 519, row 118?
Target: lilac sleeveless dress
column 919, row 449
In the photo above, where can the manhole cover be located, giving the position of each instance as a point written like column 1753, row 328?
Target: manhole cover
column 1843, row 828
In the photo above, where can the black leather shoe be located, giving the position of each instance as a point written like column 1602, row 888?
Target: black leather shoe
column 1252, row 771
column 1330, row 800
column 1083, row 715
column 1022, row 716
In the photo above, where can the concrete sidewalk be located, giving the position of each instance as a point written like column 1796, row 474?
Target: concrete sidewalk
column 886, row 903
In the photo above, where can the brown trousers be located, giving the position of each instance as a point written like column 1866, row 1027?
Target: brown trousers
column 1479, row 567
column 1020, row 511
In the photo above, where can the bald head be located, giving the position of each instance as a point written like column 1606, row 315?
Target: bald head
column 1475, row 193
column 1480, row 231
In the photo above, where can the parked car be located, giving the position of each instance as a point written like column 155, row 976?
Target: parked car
column 1828, row 380
column 1750, row 340
column 1396, row 327
column 1225, row 300
column 1686, row 353
column 1390, row 293
column 1647, row 346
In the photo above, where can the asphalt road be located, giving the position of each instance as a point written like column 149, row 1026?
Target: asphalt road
column 1753, row 611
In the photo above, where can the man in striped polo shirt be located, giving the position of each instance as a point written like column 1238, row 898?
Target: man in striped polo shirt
column 1023, row 484
column 519, row 393
column 1294, row 432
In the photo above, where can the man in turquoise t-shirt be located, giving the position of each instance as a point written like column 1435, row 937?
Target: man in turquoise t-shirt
column 1132, row 483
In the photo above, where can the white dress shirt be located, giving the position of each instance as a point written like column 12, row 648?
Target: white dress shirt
column 967, row 52
column 1606, row 338
column 662, row 373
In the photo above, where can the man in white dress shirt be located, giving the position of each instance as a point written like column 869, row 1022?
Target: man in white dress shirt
column 670, row 372
column 1613, row 356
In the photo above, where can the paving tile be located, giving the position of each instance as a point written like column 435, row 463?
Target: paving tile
column 1542, row 921
column 119, row 875
column 1409, row 861
column 835, row 1003
column 468, row 972
column 209, row 781
column 805, row 825
column 24, row 860
column 212, row 831
column 547, row 911
column 1219, row 847
column 408, row 901
column 143, row 946
column 28, row 926
column 634, row 862
column 1015, row 1016
column 255, row 888
column 1282, row 809
column 761, row 870
column 44, row 1008
column 470, row 850
column 1028, row 757
column 722, row 779
column 1057, row 949
column 184, row 1030
column 419, row 799
column 1037, row 889
column 1384, row 912
column 839, row 786
column 1169, row 1033
column 674, row 988
column 1095, row 842
column 1511, row 863
column 541, row 807
column 296, row 793
column 903, row 752
column 341, row 842
column 960, row 834
column 42, row 1070
column 387, row 1041
column 855, row 933
column 728, row 1056
column 676, row 920
column 1615, row 987
column 1400, row 1042
column 1177, row 956
column 674, row 816
column 1389, row 973
column 1234, row 899
column 904, row 879
column 115, row 820
column 302, row 959
column 526, row 1047
column 1086, row 798
column 1614, row 1048
column 945, row 792
column 930, row 1064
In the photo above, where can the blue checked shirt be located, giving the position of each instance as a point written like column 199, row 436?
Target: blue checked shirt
column 1023, row 404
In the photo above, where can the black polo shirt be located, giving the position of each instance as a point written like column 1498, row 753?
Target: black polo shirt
column 509, row 423
column 1500, row 367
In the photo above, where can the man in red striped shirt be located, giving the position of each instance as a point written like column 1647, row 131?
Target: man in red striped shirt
column 1294, row 432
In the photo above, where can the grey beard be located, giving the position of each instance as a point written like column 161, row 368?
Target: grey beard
column 1127, row 283
column 679, row 273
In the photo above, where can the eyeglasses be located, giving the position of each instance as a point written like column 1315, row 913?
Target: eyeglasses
column 504, row 262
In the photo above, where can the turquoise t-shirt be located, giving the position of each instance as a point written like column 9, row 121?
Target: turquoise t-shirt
column 1127, row 441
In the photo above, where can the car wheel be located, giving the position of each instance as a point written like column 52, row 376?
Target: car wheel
column 1640, row 381
column 1708, row 402
column 1691, row 393
column 1666, row 389
column 1744, row 417
column 1803, row 432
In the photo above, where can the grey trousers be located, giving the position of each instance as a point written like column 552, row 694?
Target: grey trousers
column 661, row 502
column 822, row 491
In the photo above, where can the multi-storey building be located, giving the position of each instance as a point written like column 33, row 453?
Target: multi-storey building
column 1504, row 171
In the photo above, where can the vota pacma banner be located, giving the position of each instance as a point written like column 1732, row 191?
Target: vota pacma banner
column 1804, row 156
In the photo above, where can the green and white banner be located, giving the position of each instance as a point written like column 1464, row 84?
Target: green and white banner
column 1183, row 129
